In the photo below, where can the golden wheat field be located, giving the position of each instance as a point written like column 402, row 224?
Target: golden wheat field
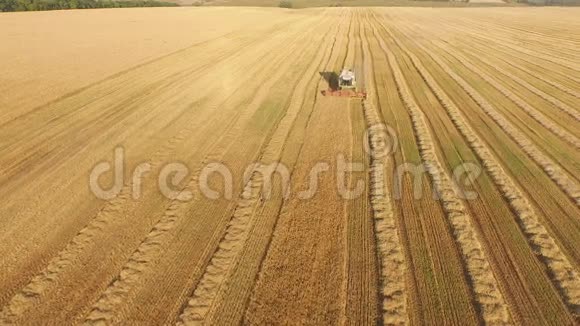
column 183, row 166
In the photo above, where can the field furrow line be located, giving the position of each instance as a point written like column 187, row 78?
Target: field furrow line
column 390, row 253
column 125, row 72
column 361, row 288
column 562, row 273
column 151, row 246
column 534, row 41
column 484, row 43
column 132, row 80
column 493, row 307
column 521, row 67
column 478, row 43
column 521, row 103
column 555, row 84
column 239, row 228
column 198, row 46
column 554, row 101
column 24, row 299
column 517, row 31
column 257, row 245
column 536, row 54
column 553, row 170
column 168, row 87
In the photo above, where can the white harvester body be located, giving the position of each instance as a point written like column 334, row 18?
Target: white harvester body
column 346, row 86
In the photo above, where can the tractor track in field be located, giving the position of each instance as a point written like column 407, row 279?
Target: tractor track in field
column 361, row 301
column 533, row 60
column 535, row 54
column 550, row 82
column 224, row 259
column 423, row 226
column 304, row 248
column 202, row 44
column 519, row 30
column 542, row 94
column 160, row 79
column 150, row 247
column 392, row 264
column 484, row 285
column 163, row 81
column 122, row 107
column 554, row 171
column 562, row 272
column 521, row 103
column 113, row 76
column 26, row 297
column 537, row 40
column 269, row 220
column 552, row 100
column 485, row 41
column 65, row 258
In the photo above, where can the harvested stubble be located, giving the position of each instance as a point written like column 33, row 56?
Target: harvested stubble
column 245, row 89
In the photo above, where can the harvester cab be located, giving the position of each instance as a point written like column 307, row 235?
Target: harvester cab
column 343, row 85
column 346, row 79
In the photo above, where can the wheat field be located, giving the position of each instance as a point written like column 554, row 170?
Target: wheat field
column 472, row 215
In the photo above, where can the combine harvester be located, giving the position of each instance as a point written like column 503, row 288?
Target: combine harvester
column 345, row 86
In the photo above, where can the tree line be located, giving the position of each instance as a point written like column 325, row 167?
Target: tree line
column 36, row 5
